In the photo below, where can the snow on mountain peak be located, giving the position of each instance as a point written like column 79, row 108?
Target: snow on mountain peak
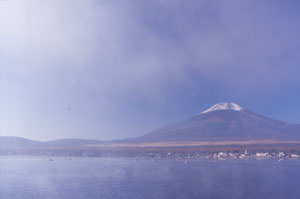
column 224, row 106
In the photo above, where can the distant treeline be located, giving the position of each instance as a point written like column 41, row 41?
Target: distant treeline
column 148, row 151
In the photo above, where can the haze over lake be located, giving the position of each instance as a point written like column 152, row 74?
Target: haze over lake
column 37, row 177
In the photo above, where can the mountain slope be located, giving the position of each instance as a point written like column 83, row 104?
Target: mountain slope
column 225, row 121
column 10, row 142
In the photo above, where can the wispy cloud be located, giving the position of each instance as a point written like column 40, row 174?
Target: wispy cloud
column 116, row 62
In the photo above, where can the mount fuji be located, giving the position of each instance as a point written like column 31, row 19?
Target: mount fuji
column 225, row 121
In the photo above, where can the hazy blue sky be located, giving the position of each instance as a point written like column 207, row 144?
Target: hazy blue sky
column 109, row 69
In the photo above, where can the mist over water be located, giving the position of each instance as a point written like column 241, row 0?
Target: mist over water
column 37, row 177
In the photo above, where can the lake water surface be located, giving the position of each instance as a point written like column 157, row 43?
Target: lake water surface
column 81, row 178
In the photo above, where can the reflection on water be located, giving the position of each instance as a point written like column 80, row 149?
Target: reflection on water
column 37, row 177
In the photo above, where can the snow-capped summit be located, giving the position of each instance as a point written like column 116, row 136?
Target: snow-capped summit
column 224, row 106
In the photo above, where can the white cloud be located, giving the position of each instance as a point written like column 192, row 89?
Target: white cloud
column 56, row 51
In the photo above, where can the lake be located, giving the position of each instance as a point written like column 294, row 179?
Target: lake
column 81, row 178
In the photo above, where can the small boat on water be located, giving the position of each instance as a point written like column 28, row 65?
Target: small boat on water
column 50, row 159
